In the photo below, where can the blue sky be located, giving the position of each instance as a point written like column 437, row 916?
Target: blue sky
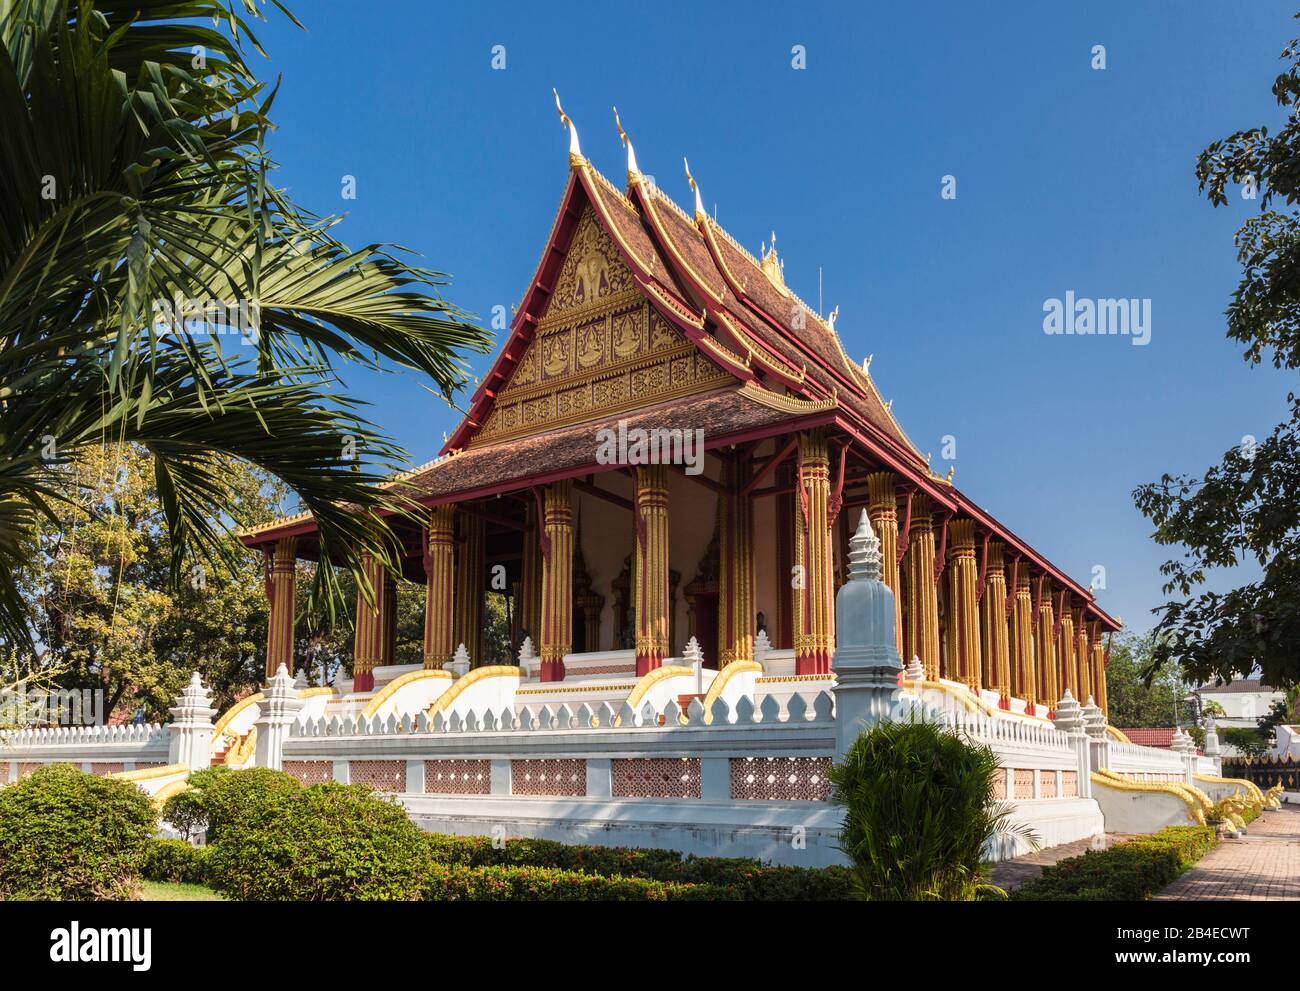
column 1068, row 178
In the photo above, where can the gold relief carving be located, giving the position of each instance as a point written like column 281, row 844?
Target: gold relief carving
column 662, row 336
column 591, row 343
column 526, row 373
column 592, row 269
column 627, row 333
column 555, row 355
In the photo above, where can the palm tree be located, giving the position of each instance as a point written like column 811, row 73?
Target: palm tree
column 133, row 173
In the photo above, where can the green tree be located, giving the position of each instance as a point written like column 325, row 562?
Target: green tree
column 1245, row 509
column 101, row 603
column 1138, row 694
column 134, row 175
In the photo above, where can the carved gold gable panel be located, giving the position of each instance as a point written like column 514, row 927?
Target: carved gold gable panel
column 616, row 358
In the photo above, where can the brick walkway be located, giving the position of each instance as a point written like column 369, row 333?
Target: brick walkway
column 1264, row 865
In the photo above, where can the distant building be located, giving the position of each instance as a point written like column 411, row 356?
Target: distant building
column 1243, row 701
column 1151, row 736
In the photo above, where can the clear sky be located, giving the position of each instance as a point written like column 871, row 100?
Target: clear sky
column 1068, row 178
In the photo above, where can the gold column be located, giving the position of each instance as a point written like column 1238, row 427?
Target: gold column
column 470, row 575
column 280, row 592
column 439, row 572
column 1083, row 656
column 376, row 625
column 1025, row 685
column 557, row 578
column 735, row 567
column 993, row 625
column 1045, row 646
column 882, row 510
column 1099, row 675
column 963, row 611
column 530, row 592
column 650, row 580
column 923, row 602
column 813, row 635
column 1066, row 649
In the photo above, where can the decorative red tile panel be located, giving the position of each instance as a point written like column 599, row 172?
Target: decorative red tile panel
column 1024, row 783
column 313, row 772
column 27, row 767
column 1069, row 784
column 657, row 777
column 781, row 779
column 381, row 775
column 557, row 776
column 1046, row 784
column 457, row 777
column 101, row 768
column 1000, row 784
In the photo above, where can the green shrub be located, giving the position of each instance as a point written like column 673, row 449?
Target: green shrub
column 328, row 842
column 68, row 835
column 450, row 882
column 175, row 861
column 746, row 878
column 1131, row 871
column 218, row 796
column 919, row 813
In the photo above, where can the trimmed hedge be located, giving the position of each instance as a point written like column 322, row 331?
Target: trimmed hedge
column 452, row 882
column 329, row 842
column 727, row 877
column 1131, row 871
column 175, row 862
column 67, row 835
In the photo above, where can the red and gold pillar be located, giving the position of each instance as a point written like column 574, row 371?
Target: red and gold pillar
column 993, row 625
column 813, row 598
column 1099, row 675
column 963, row 614
column 736, row 567
column 439, row 572
column 557, row 578
column 1082, row 655
column 470, row 577
column 923, row 601
column 1065, row 650
column 376, row 625
column 280, row 592
column 1045, row 646
column 882, row 510
column 650, row 581
column 1024, row 683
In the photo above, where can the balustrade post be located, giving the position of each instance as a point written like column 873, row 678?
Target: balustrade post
column 277, row 713
column 1069, row 719
column 191, row 727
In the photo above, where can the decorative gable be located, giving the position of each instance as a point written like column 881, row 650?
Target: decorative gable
column 600, row 348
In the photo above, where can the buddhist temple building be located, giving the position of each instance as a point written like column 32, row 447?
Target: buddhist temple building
column 671, row 444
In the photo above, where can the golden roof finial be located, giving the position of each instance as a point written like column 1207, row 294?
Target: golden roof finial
column 888, row 407
column 830, row 320
column 772, row 267
column 866, row 362
column 952, row 469
column 699, row 203
column 575, row 149
column 633, row 173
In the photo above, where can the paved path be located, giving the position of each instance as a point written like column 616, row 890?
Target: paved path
column 1011, row 873
column 1264, row 865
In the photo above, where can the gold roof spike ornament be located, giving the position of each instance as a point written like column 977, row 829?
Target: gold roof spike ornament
column 830, row 320
column 575, row 149
column 699, row 203
column 633, row 172
column 772, row 266
column 866, row 362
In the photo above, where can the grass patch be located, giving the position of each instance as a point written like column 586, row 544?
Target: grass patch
column 166, row 891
